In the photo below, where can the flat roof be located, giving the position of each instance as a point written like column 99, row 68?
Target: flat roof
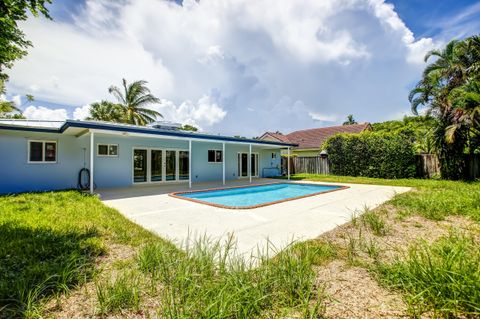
column 61, row 126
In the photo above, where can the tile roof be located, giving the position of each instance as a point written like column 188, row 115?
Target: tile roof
column 275, row 136
column 314, row 138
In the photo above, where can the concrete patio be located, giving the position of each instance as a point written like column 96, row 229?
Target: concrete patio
column 306, row 218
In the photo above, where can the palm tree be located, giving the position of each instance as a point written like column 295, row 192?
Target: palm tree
column 350, row 120
column 449, row 92
column 133, row 99
column 106, row 111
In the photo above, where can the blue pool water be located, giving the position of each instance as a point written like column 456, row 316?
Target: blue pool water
column 256, row 195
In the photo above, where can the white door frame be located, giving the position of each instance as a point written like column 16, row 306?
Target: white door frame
column 164, row 166
column 248, row 165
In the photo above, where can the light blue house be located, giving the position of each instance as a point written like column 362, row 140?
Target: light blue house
column 49, row 155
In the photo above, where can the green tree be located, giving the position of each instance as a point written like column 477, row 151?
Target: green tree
column 13, row 44
column 106, row 111
column 8, row 108
column 133, row 99
column 350, row 120
column 447, row 91
column 187, row 127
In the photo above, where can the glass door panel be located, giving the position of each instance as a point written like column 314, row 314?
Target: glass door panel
column 254, row 164
column 244, row 164
column 156, row 165
column 170, row 165
column 139, row 166
column 183, row 166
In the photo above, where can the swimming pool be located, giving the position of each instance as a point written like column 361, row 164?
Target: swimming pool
column 255, row 196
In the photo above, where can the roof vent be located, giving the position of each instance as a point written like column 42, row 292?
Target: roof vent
column 165, row 125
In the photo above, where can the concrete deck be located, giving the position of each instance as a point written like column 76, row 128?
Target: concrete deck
column 306, row 218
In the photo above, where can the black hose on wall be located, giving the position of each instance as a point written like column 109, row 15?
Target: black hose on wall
column 84, row 179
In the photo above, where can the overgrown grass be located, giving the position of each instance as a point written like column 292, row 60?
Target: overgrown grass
column 49, row 243
column 443, row 277
column 375, row 222
column 210, row 280
column 118, row 293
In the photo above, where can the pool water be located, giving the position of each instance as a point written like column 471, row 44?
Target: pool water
column 245, row 197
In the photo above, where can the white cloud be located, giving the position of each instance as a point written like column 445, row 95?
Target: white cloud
column 291, row 62
column 388, row 17
column 205, row 112
column 80, row 113
column 44, row 113
column 323, row 117
column 17, row 100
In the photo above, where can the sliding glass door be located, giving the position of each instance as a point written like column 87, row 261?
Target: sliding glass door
column 243, row 164
column 160, row 165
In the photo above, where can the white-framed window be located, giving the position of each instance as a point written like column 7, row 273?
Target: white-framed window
column 40, row 151
column 215, row 156
column 107, row 149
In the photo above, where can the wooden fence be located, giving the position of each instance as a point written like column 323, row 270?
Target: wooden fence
column 306, row 165
column 428, row 165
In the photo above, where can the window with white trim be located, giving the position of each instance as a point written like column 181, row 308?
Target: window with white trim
column 107, row 149
column 215, row 156
column 42, row 151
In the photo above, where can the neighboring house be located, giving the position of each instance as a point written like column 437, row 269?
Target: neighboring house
column 309, row 141
column 48, row 155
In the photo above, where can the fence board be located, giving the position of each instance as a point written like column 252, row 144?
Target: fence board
column 306, row 165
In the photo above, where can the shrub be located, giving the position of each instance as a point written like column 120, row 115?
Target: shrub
column 370, row 154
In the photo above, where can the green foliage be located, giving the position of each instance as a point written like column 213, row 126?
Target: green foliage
column 350, row 120
column 13, row 45
column 49, row 244
column 450, row 92
column 443, row 276
column 187, row 127
column 133, row 99
column 105, row 111
column 382, row 155
column 418, row 129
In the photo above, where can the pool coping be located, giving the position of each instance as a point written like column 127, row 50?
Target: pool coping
column 176, row 195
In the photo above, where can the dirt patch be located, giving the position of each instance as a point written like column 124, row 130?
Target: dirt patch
column 352, row 291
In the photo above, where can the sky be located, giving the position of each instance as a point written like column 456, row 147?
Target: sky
column 239, row 67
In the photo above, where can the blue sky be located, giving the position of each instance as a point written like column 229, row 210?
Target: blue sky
column 242, row 67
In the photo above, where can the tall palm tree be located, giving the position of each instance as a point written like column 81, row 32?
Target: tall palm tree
column 134, row 98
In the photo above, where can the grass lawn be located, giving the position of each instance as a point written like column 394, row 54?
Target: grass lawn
column 65, row 254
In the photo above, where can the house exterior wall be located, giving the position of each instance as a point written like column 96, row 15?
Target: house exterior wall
column 17, row 175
